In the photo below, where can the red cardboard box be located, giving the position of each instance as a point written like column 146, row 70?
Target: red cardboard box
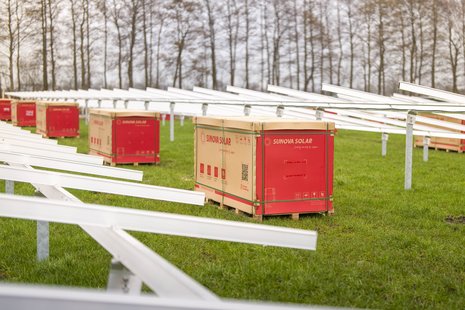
column 57, row 119
column 125, row 136
column 23, row 113
column 265, row 166
column 5, row 109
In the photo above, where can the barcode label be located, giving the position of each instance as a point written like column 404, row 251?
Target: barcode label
column 245, row 172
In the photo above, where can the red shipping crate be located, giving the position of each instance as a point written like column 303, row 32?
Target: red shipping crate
column 268, row 165
column 23, row 113
column 57, row 119
column 125, row 136
column 5, row 109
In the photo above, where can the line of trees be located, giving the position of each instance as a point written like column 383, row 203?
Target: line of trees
column 364, row 44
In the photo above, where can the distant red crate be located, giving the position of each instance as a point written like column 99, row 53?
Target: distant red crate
column 5, row 109
column 57, row 119
column 23, row 113
column 265, row 166
column 125, row 136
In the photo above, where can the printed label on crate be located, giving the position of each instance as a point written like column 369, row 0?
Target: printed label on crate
column 224, row 161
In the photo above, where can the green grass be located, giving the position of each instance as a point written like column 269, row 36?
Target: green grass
column 384, row 247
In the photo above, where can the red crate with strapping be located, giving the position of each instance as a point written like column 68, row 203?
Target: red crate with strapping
column 5, row 109
column 57, row 119
column 23, row 113
column 265, row 166
column 125, row 136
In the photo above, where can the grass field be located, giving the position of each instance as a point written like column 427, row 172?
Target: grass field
column 384, row 247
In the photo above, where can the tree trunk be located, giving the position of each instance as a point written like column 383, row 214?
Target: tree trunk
column 52, row 47
column 211, row 27
column 44, row 44
column 73, row 20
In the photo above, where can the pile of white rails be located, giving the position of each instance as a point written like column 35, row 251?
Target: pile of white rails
column 351, row 109
column 133, row 263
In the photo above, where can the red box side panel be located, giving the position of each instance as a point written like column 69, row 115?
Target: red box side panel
column 5, row 110
column 62, row 121
column 297, row 169
column 136, row 140
column 26, row 114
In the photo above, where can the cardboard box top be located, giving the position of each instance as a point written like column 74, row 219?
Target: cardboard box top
column 262, row 123
column 5, row 100
column 57, row 104
column 23, row 101
column 124, row 113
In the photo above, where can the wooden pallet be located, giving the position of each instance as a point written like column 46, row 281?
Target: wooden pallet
column 293, row 216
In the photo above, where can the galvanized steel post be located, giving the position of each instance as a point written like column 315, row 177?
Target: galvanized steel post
column 122, row 280
column 247, row 109
column 409, row 149
column 163, row 118
column 204, row 109
column 279, row 111
column 9, row 187
column 426, row 142
column 182, row 120
column 87, row 111
column 43, row 233
column 114, row 103
column 318, row 114
column 126, row 103
column 146, row 105
column 99, row 103
column 172, row 121
column 384, row 140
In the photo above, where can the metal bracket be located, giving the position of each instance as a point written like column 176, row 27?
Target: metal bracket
column 122, row 280
column 280, row 111
column 319, row 114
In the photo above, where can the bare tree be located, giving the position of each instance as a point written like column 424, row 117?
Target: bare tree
column 232, row 17
column 212, row 38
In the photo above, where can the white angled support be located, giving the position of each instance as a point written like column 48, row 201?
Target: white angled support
column 168, row 282
column 122, row 280
column 384, row 140
column 426, row 143
column 67, row 165
column 101, row 185
column 409, row 150
column 155, row 222
column 172, row 121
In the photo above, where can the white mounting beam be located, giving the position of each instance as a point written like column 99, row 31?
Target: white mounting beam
column 432, row 92
column 54, row 163
column 101, row 185
column 51, row 151
column 154, row 222
column 26, row 297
